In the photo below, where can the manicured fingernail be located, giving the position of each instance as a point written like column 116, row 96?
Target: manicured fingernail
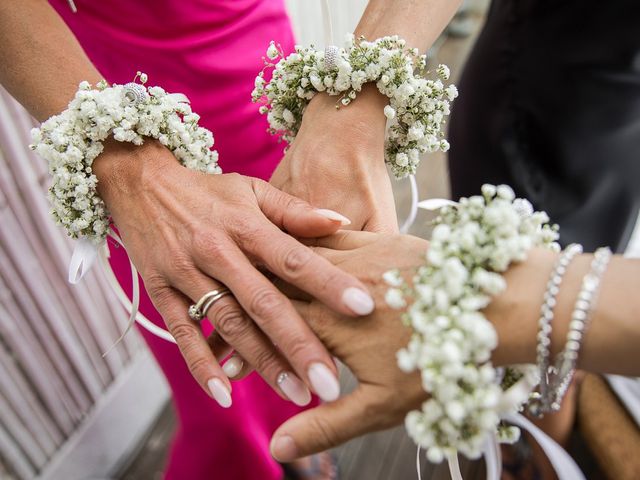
column 358, row 300
column 335, row 216
column 324, row 382
column 284, row 449
column 233, row 366
column 293, row 388
column 219, row 392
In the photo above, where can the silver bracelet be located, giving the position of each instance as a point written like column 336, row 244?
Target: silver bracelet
column 565, row 365
column 543, row 352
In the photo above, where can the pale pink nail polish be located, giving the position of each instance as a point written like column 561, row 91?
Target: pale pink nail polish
column 335, row 216
column 359, row 301
column 219, row 392
column 233, row 366
column 324, row 382
column 293, row 388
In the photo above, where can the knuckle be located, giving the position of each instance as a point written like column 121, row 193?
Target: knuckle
column 266, row 304
column 332, row 277
column 384, row 409
column 266, row 360
column 294, row 203
column 158, row 291
column 324, row 431
column 185, row 334
column 198, row 366
column 244, row 226
column 209, row 244
column 230, row 321
column 297, row 349
column 181, row 265
column 295, row 260
column 235, row 177
column 155, row 282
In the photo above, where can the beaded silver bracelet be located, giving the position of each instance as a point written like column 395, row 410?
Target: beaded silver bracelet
column 565, row 365
column 543, row 351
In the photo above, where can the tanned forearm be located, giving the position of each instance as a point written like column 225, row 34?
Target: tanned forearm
column 419, row 22
column 611, row 342
column 41, row 62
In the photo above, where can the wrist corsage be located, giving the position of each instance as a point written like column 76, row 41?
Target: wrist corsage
column 71, row 140
column 417, row 105
column 473, row 242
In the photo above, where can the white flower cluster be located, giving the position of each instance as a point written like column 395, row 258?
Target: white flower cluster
column 452, row 340
column 417, row 105
column 72, row 140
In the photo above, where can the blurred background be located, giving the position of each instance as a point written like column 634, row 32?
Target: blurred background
column 67, row 412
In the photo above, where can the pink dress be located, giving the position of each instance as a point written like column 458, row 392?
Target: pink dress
column 210, row 50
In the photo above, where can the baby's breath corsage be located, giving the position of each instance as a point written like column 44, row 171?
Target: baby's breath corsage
column 71, row 140
column 417, row 105
column 473, row 243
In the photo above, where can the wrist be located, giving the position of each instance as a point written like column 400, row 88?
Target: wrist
column 362, row 121
column 516, row 311
column 124, row 169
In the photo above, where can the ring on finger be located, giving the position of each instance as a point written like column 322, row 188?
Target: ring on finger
column 199, row 310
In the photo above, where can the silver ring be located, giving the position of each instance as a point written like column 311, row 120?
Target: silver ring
column 199, row 310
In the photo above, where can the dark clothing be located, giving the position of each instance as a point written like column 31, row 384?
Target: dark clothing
column 550, row 105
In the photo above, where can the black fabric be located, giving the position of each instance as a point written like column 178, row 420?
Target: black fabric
column 550, row 104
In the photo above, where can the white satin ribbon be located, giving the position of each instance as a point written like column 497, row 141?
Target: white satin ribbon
column 493, row 458
column 564, row 466
column 436, row 203
column 413, row 212
column 83, row 258
column 454, row 467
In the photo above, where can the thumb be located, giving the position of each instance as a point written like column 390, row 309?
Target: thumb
column 294, row 215
column 323, row 427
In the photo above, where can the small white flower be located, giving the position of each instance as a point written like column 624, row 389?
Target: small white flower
column 443, row 71
column 288, row 117
column 506, row 192
column 393, row 278
column 435, row 455
column 405, row 361
column 402, row 159
column 389, row 112
column 395, row 298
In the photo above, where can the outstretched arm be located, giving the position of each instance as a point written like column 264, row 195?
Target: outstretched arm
column 368, row 346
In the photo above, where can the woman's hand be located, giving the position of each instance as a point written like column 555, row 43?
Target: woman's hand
column 188, row 232
column 337, row 161
column 366, row 345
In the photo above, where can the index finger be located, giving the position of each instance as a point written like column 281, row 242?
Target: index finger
column 297, row 264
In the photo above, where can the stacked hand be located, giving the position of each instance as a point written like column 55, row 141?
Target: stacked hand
column 238, row 232
column 366, row 345
column 208, row 230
